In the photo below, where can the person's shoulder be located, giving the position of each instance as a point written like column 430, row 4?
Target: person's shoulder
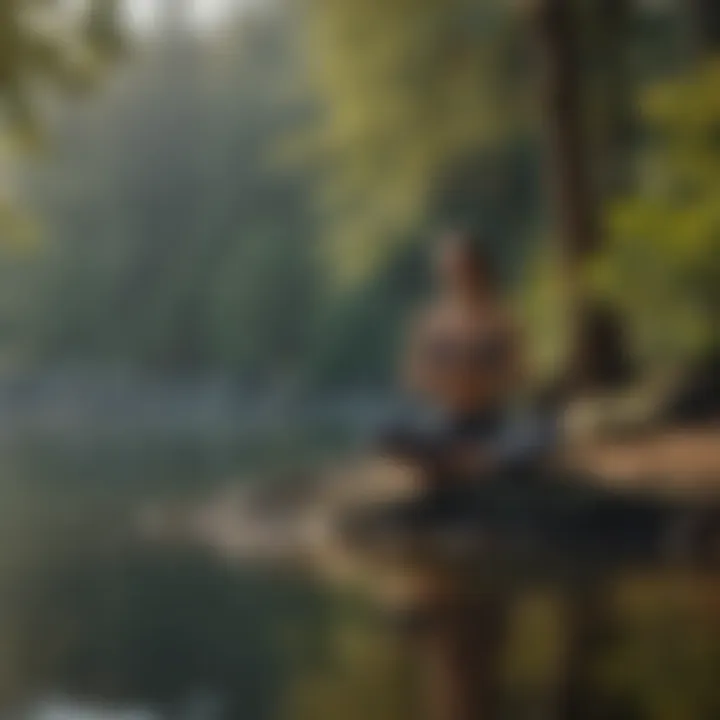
column 428, row 316
column 503, row 318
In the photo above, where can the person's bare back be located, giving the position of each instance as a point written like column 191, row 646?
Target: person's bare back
column 461, row 360
column 462, row 356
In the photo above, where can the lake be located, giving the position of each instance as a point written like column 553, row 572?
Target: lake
column 98, row 621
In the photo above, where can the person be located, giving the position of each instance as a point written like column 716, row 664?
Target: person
column 463, row 360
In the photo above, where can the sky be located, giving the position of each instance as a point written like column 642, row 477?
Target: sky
column 204, row 13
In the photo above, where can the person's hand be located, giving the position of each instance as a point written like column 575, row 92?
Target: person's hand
column 471, row 459
column 402, row 444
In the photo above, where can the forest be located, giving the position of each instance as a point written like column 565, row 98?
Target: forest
column 200, row 212
column 255, row 202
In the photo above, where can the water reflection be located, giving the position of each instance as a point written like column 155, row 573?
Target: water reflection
column 99, row 622
column 91, row 611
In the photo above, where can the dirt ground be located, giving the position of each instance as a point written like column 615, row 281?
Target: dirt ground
column 681, row 459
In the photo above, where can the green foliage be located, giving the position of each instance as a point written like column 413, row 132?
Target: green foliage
column 542, row 310
column 50, row 43
column 16, row 226
column 177, row 242
column 172, row 243
column 663, row 662
column 358, row 337
column 660, row 263
column 45, row 44
column 409, row 92
column 364, row 672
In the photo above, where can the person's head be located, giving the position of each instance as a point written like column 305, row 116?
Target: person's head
column 462, row 265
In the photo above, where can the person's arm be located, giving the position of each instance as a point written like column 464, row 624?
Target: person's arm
column 416, row 374
column 405, row 440
column 513, row 375
column 486, row 457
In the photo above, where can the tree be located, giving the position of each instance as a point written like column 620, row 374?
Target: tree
column 568, row 157
column 660, row 262
column 44, row 41
column 706, row 24
column 41, row 40
column 174, row 243
column 413, row 94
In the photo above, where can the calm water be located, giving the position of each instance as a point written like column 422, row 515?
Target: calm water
column 99, row 622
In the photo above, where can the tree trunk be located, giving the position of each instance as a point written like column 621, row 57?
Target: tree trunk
column 568, row 158
column 706, row 24
column 587, row 625
column 616, row 96
column 462, row 653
